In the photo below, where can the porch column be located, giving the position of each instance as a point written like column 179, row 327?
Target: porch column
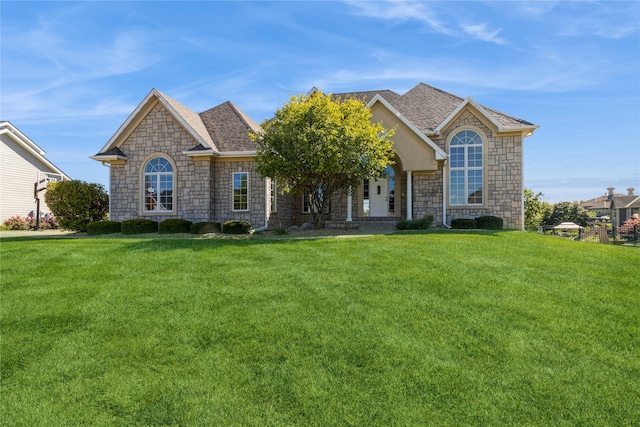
column 349, row 200
column 409, row 198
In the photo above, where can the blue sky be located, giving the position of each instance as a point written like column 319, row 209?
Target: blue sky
column 72, row 72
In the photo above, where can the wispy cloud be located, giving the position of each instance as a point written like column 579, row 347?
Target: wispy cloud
column 437, row 16
column 482, row 32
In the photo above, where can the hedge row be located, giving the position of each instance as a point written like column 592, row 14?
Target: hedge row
column 168, row 226
column 488, row 222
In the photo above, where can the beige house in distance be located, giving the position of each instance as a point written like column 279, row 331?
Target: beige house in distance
column 22, row 164
column 454, row 158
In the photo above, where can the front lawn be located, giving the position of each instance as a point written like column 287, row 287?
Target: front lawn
column 453, row 328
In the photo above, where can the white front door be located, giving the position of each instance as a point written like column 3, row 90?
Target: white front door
column 378, row 197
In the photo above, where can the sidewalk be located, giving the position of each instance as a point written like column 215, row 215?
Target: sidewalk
column 41, row 233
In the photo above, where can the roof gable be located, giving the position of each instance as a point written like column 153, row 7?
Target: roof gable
column 432, row 109
column 439, row 153
column 187, row 118
column 12, row 132
column 229, row 128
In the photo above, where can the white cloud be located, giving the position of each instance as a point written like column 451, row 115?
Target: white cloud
column 481, row 32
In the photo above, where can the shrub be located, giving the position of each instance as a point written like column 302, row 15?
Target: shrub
column 16, row 223
column 174, row 225
column 204, row 227
column 489, row 222
column 236, row 227
column 77, row 203
column 463, row 223
column 139, row 226
column 103, row 227
column 415, row 224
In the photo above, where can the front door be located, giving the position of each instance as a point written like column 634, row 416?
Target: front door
column 378, row 197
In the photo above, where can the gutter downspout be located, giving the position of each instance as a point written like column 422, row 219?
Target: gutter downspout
column 444, row 195
column 267, row 188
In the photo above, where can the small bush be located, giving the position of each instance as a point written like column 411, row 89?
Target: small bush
column 463, row 223
column 16, row 223
column 415, row 224
column 174, row 225
column 204, row 227
column 280, row 231
column 139, row 226
column 236, row 227
column 489, row 222
column 103, row 227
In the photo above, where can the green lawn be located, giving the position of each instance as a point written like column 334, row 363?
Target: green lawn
column 440, row 328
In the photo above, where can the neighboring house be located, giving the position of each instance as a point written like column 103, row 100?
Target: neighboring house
column 22, row 165
column 454, row 158
column 618, row 207
column 624, row 207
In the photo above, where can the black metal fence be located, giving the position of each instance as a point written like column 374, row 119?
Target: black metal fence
column 598, row 233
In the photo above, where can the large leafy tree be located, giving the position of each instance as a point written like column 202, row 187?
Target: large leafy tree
column 534, row 209
column 317, row 144
column 567, row 212
column 77, row 203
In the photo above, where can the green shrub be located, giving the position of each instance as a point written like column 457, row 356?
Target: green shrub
column 280, row 231
column 463, row 223
column 489, row 222
column 139, row 226
column 204, row 227
column 75, row 203
column 103, row 227
column 174, row 225
column 415, row 224
column 236, row 227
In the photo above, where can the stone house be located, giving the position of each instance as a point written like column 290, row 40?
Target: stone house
column 454, row 158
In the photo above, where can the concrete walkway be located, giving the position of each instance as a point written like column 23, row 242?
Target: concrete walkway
column 41, row 233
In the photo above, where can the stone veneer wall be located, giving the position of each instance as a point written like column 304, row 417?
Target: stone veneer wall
column 503, row 174
column 159, row 132
column 221, row 197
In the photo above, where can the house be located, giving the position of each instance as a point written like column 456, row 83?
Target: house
column 23, row 169
column 454, row 158
column 618, row 207
column 624, row 207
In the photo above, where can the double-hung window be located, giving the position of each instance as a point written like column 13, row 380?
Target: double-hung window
column 241, row 191
column 466, row 173
column 158, row 185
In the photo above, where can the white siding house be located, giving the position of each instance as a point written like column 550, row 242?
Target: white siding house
column 22, row 163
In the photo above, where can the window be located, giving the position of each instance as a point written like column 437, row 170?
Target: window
column 240, row 191
column 158, row 185
column 274, row 195
column 466, row 169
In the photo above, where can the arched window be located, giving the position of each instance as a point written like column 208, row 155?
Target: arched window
column 466, row 173
column 158, row 185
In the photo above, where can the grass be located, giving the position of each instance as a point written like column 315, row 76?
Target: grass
column 477, row 328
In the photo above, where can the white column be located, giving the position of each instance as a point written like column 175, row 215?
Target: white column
column 409, row 196
column 349, row 202
column 444, row 193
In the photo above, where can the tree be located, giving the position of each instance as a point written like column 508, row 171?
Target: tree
column 317, row 145
column 534, row 209
column 567, row 212
column 77, row 203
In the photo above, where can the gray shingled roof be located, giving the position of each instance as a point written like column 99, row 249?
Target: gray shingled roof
column 229, row 128
column 367, row 96
column 191, row 118
column 427, row 107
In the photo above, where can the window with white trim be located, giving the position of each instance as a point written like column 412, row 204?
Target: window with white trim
column 240, row 191
column 158, row 185
column 466, row 169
